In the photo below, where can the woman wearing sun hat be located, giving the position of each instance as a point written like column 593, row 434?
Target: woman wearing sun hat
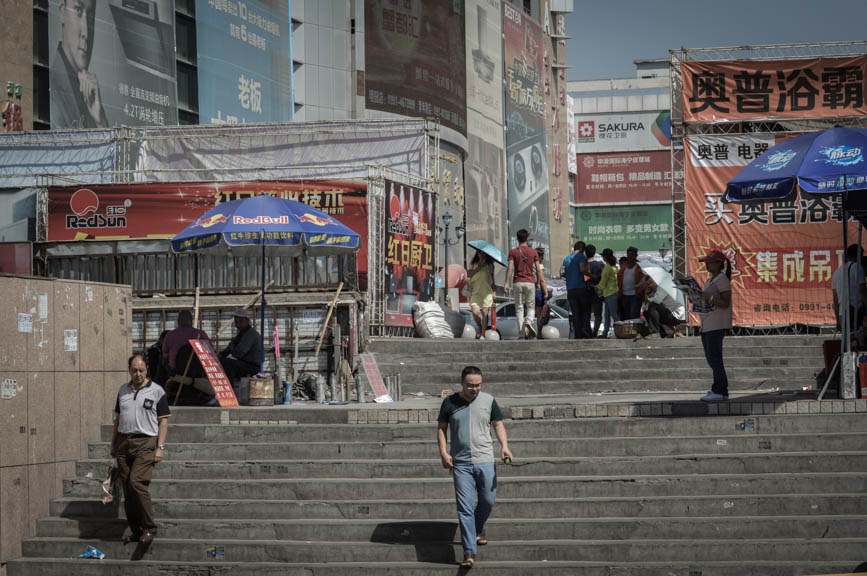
column 718, row 293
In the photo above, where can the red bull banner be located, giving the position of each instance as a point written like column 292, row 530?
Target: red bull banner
column 409, row 241
column 754, row 89
column 783, row 253
column 162, row 210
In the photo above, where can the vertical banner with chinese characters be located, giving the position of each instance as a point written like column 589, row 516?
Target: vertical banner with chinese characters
column 113, row 63
column 414, row 58
column 736, row 90
column 484, row 168
column 244, row 67
column 214, row 371
column 409, row 248
column 783, row 252
column 572, row 154
column 526, row 143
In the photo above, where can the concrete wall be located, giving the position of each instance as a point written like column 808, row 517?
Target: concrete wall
column 16, row 55
column 64, row 347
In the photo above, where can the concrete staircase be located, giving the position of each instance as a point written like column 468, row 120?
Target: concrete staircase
column 784, row 495
column 300, row 490
column 552, row 367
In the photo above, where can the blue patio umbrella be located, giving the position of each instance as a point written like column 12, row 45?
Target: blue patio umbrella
column 262, row 225
column 822, row 162
column 825, row 162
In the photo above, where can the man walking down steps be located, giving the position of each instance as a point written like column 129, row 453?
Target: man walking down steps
column 468, row 415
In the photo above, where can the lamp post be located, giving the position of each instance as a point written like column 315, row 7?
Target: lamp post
column 459, row 232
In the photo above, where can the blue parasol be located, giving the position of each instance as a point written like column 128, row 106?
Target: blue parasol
column 495, row 253
column 824, row 162
column 261, row 225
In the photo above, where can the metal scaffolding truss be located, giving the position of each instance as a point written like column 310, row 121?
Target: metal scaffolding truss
column 680, row 130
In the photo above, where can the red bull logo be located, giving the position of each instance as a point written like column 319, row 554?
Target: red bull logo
column 207, row 222
column 84, row 201
column 260, row 220
column 317, row 220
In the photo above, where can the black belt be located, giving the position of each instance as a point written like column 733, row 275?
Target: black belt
column 137, row 436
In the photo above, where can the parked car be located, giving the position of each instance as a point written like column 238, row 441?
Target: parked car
column 507, row 322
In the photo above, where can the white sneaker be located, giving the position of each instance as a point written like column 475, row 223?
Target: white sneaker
column 713, row 397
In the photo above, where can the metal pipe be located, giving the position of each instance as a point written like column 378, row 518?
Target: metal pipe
column 398, row 388
column 320, row 389
column 359, row 389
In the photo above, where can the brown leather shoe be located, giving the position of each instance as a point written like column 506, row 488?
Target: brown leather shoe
column 147, row 537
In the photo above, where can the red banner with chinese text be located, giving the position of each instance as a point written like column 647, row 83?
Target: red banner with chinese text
column 783, row 252
column 161, row 210
column 214, row 371
column 745, row 89
column 409, row 252
column 636, row 177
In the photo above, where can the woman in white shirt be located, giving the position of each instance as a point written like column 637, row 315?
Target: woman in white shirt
column 718, row 293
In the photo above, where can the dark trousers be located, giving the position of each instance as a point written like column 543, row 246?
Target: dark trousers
column 658, row 316
column 596, row 302
column 579, row 307
column 236, row 369
column 713, row 351
column 135, row 465
column 630, row 307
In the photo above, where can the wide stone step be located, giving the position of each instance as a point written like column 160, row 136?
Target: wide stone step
column 538, row 447
column 504, row 363
column 509, row 487
column 446, row 529
column 614, row 373
column 492, row 352
column 411, row 346
column 818, row 549
column 606, row 506
column 543, row 386
column 577, row 428
column 793, row 462
column 146, row 567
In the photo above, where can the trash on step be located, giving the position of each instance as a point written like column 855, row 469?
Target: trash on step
column 638, row 357
column 92, row 553
column 215, row 552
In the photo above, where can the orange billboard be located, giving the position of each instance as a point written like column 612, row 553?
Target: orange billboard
column 783, row 253
column 756, row 89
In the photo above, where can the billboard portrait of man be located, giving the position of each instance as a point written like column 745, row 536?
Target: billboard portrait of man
column 76, row 101
column 114, row 63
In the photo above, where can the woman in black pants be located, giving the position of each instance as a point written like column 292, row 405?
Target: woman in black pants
column 714, row 325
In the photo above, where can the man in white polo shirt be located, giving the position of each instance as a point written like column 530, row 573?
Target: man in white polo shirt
column 138, row 441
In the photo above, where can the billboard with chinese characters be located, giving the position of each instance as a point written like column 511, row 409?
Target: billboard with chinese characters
column 754, row 89
column 619, row 227
column 618, row 177
column 112, row 63
column 783, row 252
column 128, row 211
column 415, row 59
column 526, row 140
column 484, row 168
column 409, row 250
column 628, row 131
column 244, row 67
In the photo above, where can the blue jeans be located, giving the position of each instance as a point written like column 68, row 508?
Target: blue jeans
column 713, row 351
column 610, row 313
column 472, row 517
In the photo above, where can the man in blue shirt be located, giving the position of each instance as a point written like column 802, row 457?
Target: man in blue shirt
column 575, row 266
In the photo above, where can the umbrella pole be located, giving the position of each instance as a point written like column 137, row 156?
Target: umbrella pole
column 844, row 323
column 262, row 325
